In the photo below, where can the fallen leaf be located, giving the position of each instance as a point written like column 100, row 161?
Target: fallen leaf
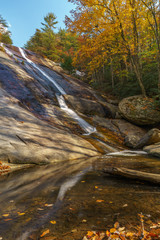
column 48, row 205
column 83, row 181
column 112, row 230
column 72, row 209
column 96, row 187
column 53, row 222
column 99, row 200
column 125, row 205
column 21, row 214
column 44, row 233
column 129, row 234
column 40, row 209
column 108, row 233
column 5, row 215
column 116, row 225
column 90, row 234
column 8, row 219
column 121, row 229
column 29, row 219
column 84, row 220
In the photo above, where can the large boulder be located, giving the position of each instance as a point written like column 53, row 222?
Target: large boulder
column 139, row 110
column 131, row 133
column 151, row 137
column 85, row 106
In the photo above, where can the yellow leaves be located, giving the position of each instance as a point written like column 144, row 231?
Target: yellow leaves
column 116, row 225
column 112, row 230
column 21, row 214
column 53, row 222
column 5, row 215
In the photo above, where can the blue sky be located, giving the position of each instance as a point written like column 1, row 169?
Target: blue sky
column 25, row 16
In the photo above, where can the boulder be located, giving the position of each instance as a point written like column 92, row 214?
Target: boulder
column 139, row 110
column 85, row 106
column 153, row 150
column 151, row 137
column 111, row 110
column 131, row 133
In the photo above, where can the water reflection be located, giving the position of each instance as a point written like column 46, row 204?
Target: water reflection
column 66, row 192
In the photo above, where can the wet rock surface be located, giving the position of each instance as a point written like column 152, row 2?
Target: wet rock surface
column 33, row 128
column 85, row 106
column 26, row 139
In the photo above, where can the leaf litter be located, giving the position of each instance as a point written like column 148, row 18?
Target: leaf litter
column 120, row 233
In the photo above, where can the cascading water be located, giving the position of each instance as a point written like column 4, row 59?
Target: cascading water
column 84, row 125
column 7, row 51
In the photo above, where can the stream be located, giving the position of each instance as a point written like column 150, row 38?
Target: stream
column 72, row 197
column 67, row 199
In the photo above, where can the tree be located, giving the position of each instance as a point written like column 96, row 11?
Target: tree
column 44, row 40
column 115, row 33
column 59, row 47
column 5, row 35
column 49, row 22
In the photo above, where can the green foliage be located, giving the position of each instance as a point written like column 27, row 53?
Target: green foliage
column 67, row 63
column 5, row 35
column 49, row 22
column 59, row 47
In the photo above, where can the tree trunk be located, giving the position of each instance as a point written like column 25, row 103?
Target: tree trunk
column 133, row 174
column 136, row 66
column 112, row 74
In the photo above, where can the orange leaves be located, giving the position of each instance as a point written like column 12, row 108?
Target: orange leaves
column 119, row 233
column 99, row 200
column 45, row 233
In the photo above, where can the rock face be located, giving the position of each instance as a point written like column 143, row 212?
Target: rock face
column 26, row 139
column 139, row 110
column 33, row 127
column 129, row 132
column 85, row 106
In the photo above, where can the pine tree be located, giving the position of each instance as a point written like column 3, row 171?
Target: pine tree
column 5, row 35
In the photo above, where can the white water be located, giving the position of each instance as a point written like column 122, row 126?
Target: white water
column 84, row 125
column 42, row 72
column 127, row 153
column 7, row 51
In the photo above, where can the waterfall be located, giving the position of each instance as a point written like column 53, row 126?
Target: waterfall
column 86, row 126
column 8, row 52
column 83, row 124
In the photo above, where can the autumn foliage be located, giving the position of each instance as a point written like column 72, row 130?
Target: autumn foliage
column 120, row 41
